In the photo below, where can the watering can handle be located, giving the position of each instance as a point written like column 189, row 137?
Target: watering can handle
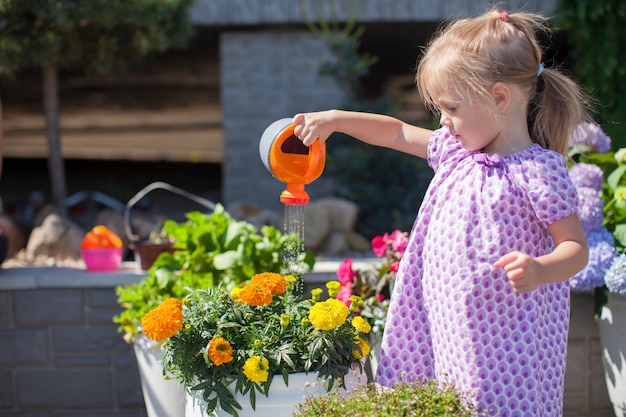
column 154, row 186
column 316, row 151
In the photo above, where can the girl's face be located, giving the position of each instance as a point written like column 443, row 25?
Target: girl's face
column 476, row 126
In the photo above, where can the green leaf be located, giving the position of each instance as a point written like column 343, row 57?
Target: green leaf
column 620, row 234
column 226, row 260
column 614, row 178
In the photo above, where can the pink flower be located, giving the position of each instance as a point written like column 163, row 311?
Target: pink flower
column 345, row 293
column 345, row 272
column 394, row 266
column 380, row 297
column 379, row 244
column 399, row 241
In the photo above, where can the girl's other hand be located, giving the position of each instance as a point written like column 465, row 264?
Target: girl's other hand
column 312, row 126
column 522, row 270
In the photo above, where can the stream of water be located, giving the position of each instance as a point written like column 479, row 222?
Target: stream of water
column 294, row 225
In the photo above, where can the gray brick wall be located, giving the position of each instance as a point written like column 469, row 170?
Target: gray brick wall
column 61, row 354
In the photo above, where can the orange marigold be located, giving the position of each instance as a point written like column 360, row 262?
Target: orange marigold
column 255, row 295
column 164, row 321
column 220, row 351
column 274, row 282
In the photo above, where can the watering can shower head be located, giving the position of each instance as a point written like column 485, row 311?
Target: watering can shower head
column 290, row 161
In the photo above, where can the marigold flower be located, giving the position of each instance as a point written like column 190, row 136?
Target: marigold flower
column 235, row 292
column 333, row 288
column 365, row 348
column 272, row 281
column 220, row 351
column 255, row 295
column 164, row 321
column 315, row 293
column 284, row 320
column 356, row 301
column 327, row 315
column 256, row 369
column 361, row 325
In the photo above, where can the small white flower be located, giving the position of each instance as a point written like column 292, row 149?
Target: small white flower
column 620, row 155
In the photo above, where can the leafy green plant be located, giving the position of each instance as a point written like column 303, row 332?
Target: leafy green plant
column 210, row 249
column 427, row 399
column 601, row 71
column 218, row 343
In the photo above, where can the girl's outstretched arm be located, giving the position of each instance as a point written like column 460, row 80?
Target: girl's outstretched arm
column 375, row 129
column 570, row 255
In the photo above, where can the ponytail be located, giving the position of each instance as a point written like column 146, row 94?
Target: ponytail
column 556, row 109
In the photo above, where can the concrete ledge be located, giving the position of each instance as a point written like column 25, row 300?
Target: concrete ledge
column 62, row 277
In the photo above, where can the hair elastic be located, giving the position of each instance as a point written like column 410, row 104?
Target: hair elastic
column 540, row 69
column 504, row 16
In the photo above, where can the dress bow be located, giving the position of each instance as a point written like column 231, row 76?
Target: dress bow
column 487, row 160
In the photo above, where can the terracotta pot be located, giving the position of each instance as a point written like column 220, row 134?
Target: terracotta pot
column 147, row 253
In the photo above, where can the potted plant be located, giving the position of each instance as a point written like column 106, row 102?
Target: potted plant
column 600, row 178
column 373, row 285
column 210, row 250
column 235, row 350
column 429, row 398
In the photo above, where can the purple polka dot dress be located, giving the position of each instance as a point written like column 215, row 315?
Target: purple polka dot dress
column 455, row 317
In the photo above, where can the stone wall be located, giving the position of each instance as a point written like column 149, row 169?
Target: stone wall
column 61, row 354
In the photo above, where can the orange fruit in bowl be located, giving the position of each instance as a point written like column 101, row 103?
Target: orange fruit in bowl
column 100, row 237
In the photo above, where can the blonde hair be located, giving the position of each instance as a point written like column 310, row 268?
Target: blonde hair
column 470, row 55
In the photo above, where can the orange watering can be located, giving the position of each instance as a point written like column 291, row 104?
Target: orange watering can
column 290, row 161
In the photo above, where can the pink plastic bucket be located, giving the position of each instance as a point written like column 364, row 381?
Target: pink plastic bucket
column 101, row 260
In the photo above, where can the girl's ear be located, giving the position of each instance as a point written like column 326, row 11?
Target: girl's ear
column 501, row 94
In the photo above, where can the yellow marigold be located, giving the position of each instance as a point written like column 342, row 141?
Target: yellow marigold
column 235, row 292
column 365, row 348
column 164, row 321
column 333, row 288
column 327, row 315
column 256, row 369
column 315, row 294
column 255, row 295
column 361, row 325
column 220, row 351
column 272, row 281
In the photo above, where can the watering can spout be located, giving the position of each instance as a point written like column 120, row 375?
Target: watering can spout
column 290, row 161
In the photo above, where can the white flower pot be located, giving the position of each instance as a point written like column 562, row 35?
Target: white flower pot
column 163, row 397
column 613, row 338
column 282, row 400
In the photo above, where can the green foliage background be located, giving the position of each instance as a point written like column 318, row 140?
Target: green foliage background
column 388, row 186
column 96, row 35
column 596, row 36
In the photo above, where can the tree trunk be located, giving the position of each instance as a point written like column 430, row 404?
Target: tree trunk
column 55, row 159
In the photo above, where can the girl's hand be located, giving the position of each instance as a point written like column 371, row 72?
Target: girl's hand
column 312, row 126
column 523, row 271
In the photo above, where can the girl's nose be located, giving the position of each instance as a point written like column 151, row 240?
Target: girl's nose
column 444, row 120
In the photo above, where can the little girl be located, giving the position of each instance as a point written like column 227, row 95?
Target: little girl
column 481, row 299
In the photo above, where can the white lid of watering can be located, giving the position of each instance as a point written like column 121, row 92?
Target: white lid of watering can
column 267, row 140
